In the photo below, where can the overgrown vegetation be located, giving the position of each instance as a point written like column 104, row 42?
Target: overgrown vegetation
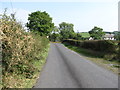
column 22, row 53
column 101, row 48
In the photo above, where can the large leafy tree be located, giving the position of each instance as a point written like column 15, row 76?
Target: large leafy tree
column 66, row 30
column 96, row 33
column 41, row 22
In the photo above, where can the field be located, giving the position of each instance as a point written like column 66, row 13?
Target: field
column 85, row 35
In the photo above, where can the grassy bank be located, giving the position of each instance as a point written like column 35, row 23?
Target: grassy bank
column 95, row 57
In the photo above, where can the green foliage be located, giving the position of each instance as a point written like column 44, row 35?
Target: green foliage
column 40, row 21
column 77, row 36
column 55, row 36
column 66, row 30
column 117, row 35
column 20, row 50
column 96, row 33
column 118, row 53
column 105, row 47
column 83, row 51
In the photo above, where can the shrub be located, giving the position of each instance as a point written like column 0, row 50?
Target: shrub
column 19, row 49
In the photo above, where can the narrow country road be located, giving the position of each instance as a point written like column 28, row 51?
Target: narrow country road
column 67, row 69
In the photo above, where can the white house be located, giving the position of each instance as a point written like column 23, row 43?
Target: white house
column 108, row 37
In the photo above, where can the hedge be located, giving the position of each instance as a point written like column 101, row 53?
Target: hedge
column 20, row 50
column 106, row 46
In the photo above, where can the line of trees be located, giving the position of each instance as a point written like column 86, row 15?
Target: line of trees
column 64, row 31
column 42, row 22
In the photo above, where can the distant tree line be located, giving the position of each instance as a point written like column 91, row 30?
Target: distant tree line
column 41, row 22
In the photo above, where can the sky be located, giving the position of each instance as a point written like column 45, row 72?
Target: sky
column 84, row 14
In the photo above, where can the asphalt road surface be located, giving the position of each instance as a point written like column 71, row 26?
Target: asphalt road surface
column 67, row 69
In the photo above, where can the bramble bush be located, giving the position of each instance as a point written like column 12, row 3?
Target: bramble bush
column 19, row 50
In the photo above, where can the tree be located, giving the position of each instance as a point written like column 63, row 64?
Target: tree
column 41, row 22
column 117, row 35
column 66, row 30
column 77, row 36
column 96, row 33
column 54, row 36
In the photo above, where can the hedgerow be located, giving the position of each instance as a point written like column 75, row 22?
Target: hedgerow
column 108, row 48
column 19, row 50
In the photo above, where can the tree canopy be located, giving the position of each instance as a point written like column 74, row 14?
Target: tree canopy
column 66, row 30
column 96, row 33
column 41, row 22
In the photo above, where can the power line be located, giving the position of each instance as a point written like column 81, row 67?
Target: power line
column 1, row 6
column 11, row 6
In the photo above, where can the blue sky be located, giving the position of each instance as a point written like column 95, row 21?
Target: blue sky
column 84, row 15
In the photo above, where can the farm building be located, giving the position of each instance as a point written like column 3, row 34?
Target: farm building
column 108, row 37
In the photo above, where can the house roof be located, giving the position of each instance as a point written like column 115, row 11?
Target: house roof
column 108, row 36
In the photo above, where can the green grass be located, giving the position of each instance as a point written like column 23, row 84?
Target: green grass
column 85, row 34
column 96, row 57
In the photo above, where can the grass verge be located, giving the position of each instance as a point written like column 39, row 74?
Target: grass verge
column 96, row 58
column 29, row 83
column 39, row 65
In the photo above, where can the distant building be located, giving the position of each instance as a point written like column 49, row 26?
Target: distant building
column 108, row 37
column 47, row 36
column 91, row 38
